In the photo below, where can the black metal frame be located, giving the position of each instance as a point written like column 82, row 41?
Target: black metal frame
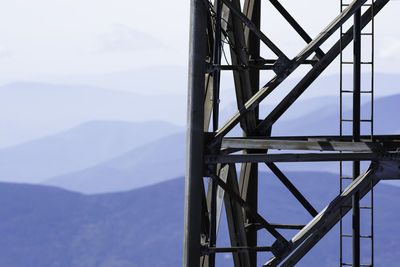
column 211, row 154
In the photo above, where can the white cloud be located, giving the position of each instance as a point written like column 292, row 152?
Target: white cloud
column 123, row 38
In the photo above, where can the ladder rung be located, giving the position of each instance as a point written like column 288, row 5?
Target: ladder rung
column 362, row 63
column 351, row 91
column 349, row 264
column 363, row 33
column 366, row 236
column 346, row 178
column 362, row 5
column 361, row 236
column 349, row 120
column 366, row 208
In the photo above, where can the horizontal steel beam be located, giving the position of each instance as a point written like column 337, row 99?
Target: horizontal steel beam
column 288, row 226
column 240, row 67
column 300, row 157
column 366, row 138
column 256, row 227
column 262, row 61
column 209, row 250
column 319, row 145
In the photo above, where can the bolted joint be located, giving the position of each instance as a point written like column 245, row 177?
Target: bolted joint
column 211, row 150
column 280, row 65
column 213, row 144
column 210, row 169
column 204, row 249
column 387, row 170
column 280, row 248
column 210, row 67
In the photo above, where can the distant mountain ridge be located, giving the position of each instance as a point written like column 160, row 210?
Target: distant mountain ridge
column 30, row 110
column 78, row 148
column 46, row 226
column 149, row 164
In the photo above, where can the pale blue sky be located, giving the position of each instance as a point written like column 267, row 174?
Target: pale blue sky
column 135, row 46
column 62, row 37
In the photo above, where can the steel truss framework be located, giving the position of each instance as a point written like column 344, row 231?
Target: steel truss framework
column 212, row 155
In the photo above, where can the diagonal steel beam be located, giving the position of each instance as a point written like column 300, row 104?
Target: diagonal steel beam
column 295, row 25
column 241, row 78
column 235, row 218
column 208, row 101
column 205, row 226
column 216, row 58
column 297, row 61
column 248, row 189
column 318, row 68
column 245, row 81
column 213, row 213
column 248, row 181
column 255, row 29
column 296, row 193
column 223, row 173
column 252, row 10
column 229, row 190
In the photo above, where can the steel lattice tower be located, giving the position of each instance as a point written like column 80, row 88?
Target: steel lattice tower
column 212, row 157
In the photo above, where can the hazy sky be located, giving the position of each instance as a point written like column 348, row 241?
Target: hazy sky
column 136, row 46
column 88, row 36
column 59, row 37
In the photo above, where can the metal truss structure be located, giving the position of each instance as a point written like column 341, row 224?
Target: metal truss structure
column 212, row 156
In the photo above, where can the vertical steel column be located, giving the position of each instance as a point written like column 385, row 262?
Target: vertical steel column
column 216, row 87
column 213, row 222
column 254, row 53
column 254, row 47
column 356, row 132
column 216, row 62
column 195, row 134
